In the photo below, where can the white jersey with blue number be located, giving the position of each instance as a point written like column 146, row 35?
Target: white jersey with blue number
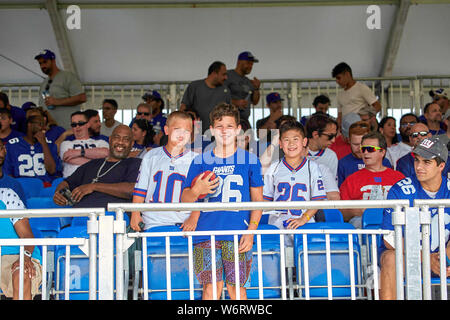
column 160, row 180
column 285, row 183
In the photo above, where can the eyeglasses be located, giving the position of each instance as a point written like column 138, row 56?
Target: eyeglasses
column 49, row 82
column 76, row 124
column 421, row 133
column 404, row 125
column 330, row 136
column 370, row 149
column 143, row 113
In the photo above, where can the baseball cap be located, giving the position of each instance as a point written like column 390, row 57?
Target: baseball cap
column 46, row 54
column 347, row 121
column 155, row 94
column 431, row 148
column 28, row 105
column 273, row 97
column 247, row 55
column 438, row 93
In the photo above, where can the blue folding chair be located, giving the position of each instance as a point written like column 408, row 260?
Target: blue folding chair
column 317, row 265
column 31, row 187
column 333, row 215
column 179, row 264
column 50, row 191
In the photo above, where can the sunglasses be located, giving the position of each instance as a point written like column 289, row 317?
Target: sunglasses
column 408, row 124
column 330, row 136
column 76, row 124
column 49, row 82
column 370, row 149
column 143, row 113
column 416, row 134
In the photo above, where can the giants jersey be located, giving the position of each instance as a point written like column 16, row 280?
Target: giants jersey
column 327, row 157
column 26, row 160
column 410, row 188
column 237, row 175
column 367, row 185
column 285, row 183
column 160, row 180
column 89, row 143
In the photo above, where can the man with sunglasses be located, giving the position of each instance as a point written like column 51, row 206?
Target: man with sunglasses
column 82, row 148
column 62, row 92
column 373, row 181
column 354, row 161
column 398, row 150
column 428, row 182
column 321, row 131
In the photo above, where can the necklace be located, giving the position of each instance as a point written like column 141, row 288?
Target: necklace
column 95, row 180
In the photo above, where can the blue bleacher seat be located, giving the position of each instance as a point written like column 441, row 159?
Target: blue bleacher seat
column 372, row 218
column 179, row 266
column 340, row 270
column 333, row 215
column 79, row 266
column 31, row 186
column 82, row 221
column 270, row 251
column 48, row 227
column 50, row 191
column 47, row 203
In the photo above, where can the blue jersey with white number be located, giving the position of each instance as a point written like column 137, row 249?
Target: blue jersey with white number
column 26, row 160
column 237, row 174
column 410, row 188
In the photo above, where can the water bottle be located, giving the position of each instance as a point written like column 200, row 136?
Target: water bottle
column 45, row 94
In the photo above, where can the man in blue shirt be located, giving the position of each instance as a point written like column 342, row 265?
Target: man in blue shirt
column 17, row 114
column 427, row 183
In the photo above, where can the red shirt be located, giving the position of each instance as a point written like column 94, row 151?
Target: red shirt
column 363, row 184
column 341, row 147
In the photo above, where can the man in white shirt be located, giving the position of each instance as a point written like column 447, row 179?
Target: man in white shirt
column 398, row 150
column 81, row 149
column 321, row 131
column 355, row 96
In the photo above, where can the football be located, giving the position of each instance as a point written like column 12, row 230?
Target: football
column 206, row 173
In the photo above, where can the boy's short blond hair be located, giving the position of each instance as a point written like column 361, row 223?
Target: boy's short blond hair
column 224, row 110
column 178, row 114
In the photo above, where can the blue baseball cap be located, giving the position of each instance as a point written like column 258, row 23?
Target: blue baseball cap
column 28, row 105
column 153, row 94
column 248, row 56
column 273, row 97
column 45, row 54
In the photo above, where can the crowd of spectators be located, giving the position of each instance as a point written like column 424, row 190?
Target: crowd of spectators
column 354, row 156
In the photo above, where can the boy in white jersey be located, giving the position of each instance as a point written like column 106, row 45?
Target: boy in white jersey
column 162, row 174
column 293, row 178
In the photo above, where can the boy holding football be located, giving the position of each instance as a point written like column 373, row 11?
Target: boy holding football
column 238, row 178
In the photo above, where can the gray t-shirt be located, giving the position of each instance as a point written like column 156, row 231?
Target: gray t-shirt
column 241, row 88
column 65, row 84
column 108, row 131
column 201, row 98
column 445, row 140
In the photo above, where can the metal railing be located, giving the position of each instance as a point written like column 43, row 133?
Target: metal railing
column 102, row 228
column 397, row 95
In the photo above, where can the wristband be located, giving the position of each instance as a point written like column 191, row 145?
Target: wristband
column 27, row 253
column 307, row 217
column 256, row 223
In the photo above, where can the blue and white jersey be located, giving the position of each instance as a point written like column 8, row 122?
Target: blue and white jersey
column 160, row 180
column 350, row 164
column 327, row 157
column 410, row 188
column 26, row 160
column 285, row 183
column 237, row 174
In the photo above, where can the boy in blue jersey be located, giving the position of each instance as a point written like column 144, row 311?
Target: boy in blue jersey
column 12, row 198
column 427, row 183
column 32, row 155
column 238, row 179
